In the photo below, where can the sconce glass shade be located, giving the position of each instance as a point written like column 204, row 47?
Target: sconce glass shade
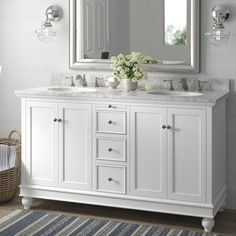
column 47, row 32
column 218, row 35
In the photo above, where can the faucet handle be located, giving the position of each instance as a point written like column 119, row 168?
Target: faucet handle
column 183, row 80
column 170, row 83
column 72, row 83
column 96, row 82
column 84, row 81
column 199, row 83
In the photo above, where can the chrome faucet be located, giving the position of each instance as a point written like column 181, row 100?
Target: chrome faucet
column 72, row 82
column 184, row 84
column 199, row 85
column 170, row 83
column 82, row 80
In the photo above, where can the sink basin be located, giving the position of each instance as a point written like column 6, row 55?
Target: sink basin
column 175, row 93
column 72, row 89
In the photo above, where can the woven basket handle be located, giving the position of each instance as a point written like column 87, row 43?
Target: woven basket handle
column 14, row 132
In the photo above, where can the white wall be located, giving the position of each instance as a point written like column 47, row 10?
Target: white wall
column 27, row 62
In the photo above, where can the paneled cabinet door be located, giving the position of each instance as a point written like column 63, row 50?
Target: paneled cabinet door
column 75, row 145
column 187, row 154
column 40, row 143
column 148, row 153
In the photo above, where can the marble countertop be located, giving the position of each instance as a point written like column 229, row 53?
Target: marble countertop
column 119, row 94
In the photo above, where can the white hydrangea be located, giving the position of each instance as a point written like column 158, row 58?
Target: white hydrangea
column 131, row 66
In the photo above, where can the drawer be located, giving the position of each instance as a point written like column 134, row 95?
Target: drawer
column 110, row 107
column 111, row 179
column 110, row 149
column 111, row 122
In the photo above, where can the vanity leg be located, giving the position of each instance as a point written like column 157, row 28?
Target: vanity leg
column 27, row 202
column 208, row 224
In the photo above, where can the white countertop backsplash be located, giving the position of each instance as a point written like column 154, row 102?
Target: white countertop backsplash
column 154, row 81
column 120, row 94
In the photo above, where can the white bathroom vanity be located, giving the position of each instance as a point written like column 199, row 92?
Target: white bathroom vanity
column 129, row 150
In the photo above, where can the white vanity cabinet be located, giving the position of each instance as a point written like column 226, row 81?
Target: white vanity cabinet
column 168, row 153
column 110, row 148
column 57, row 144
column 187, row 154
column 75, row 145
column 40, row 134
column 148, row 151
column 153, row 156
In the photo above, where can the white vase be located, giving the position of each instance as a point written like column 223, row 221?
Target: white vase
column 130, row 85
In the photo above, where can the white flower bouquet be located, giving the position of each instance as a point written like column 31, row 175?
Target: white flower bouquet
column 131, row 66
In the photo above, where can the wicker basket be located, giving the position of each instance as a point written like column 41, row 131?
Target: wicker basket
column 10, row 179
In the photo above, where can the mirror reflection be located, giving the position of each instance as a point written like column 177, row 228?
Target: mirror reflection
column 111, row 27
column 176, row 22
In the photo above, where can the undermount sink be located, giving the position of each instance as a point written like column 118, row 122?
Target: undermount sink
column 175, row 93
column 72, row 89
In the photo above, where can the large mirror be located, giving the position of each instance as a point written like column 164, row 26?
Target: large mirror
column 167, row 30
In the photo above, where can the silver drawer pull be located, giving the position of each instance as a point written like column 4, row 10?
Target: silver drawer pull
column 109, row 149
column 110, row 122
column 110, row 179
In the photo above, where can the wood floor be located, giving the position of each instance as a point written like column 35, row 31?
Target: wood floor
column 225, row 221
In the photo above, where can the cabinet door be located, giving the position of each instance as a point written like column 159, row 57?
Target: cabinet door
column 40, row 143
column 187, row 154
column 75, row 145
column 148, row 153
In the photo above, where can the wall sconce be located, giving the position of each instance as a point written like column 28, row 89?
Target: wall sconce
column 47, row 32
column 218, row 34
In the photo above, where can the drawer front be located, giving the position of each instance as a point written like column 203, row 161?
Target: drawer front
column 111, row 122
column 111, row 149
column 110, row 107
column 111, row 179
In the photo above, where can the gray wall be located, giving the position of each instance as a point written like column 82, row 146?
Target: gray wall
column 150, row 13
column 118, row 27
column 28, row 63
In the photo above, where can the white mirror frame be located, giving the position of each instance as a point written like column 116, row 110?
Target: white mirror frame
column 101, row 64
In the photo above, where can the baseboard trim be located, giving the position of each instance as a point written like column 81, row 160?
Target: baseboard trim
column 231, row 202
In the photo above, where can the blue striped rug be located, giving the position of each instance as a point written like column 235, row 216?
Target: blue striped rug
column 39, row 223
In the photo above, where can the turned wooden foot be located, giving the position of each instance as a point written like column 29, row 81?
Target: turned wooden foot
column 27, row 202
column 208, row 224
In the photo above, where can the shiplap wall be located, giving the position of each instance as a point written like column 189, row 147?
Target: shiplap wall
column 28, row 62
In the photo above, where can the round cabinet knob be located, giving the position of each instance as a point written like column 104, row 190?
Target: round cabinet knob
column 59, row 120
column 168, row 127
column 109, row 179
column 109, row 106
column 110, row 122
column 55, row 120
column 110, row 150
column 163, row 126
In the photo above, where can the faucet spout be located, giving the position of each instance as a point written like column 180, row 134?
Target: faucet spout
column 82, row 80
column 184, row 84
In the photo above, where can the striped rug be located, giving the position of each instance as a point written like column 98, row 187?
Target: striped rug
column 38, row 223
